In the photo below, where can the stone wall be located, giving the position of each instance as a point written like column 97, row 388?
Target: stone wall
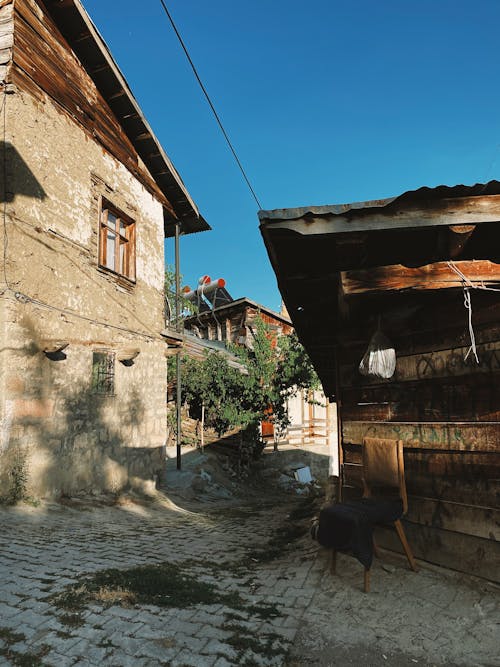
column 62, row 436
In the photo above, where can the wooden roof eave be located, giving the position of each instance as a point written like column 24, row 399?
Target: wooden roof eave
column 449, row 212
column 81, row 34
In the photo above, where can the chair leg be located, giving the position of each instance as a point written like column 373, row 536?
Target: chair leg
column 375, row 548
column 406, row 546
column 333, row 562
column 367, row 579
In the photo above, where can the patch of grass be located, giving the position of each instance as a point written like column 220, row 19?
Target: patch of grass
column 71, row 620
column 10, row 637
column 277, row 545
column 263, row 644
column 164, row 585
column 265, row 610
column 105, row 643
column 17, row 658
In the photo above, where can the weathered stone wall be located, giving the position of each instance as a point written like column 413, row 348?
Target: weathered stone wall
column 65, row 438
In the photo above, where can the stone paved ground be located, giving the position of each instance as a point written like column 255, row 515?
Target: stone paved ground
column 272, row 606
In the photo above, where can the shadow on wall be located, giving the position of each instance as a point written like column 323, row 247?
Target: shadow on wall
column 58, row 441
column 16, row 178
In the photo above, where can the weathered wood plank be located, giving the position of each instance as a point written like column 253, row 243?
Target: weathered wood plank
column 435, row 364
column 464, row 398
column 421, row 322
column 480, row 437
column 461, row 477
column 6, row 39
column 474, row 520
column 429, row 277
column 44, row 62
column 465, row 553
column 470, row 520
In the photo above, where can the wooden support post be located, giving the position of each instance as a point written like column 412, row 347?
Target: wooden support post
column 202, row 431
column 338, row 400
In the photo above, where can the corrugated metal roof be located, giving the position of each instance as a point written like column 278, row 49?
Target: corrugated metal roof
column 420, row 195
column 197, row 348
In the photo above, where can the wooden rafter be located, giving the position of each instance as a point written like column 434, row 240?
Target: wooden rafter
column 429, row 277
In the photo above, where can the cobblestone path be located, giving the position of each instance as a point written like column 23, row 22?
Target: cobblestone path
column 272, row 600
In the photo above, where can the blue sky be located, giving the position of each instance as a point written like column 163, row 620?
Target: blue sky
column 325, row 101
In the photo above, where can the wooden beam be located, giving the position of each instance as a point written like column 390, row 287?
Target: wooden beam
column 453, row 211
column 431, row 276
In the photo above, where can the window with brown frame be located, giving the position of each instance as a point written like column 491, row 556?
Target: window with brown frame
column 116, row 241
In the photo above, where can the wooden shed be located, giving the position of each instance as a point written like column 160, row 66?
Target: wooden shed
column 425, row 267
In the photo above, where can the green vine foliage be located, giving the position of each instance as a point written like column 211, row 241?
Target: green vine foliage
column 18, row 474
column 276, row 369
column 186, row 307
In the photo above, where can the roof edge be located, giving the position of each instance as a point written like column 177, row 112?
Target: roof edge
column 421, row 194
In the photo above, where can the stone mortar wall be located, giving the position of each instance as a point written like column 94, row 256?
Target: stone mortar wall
column 68, row 439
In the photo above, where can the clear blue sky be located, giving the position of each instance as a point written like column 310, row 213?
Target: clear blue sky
column 326, row 102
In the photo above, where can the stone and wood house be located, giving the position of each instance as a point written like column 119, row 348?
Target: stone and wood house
column 88, row 196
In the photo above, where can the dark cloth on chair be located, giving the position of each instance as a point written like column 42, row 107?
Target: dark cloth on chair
column 348, row 526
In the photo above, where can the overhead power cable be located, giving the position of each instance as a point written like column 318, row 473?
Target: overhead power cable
column 219, row 122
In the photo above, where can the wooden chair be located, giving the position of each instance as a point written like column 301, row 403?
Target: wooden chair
column 383, row 471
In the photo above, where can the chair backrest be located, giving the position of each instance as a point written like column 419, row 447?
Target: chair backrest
column 383, row 466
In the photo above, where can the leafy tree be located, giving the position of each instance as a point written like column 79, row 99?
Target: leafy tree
column 276, row 368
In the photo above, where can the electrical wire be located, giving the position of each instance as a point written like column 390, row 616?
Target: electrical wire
column 24, row 298
column 216, row 115
column 18, row 295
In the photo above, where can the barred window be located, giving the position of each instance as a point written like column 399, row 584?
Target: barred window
column 103, row 373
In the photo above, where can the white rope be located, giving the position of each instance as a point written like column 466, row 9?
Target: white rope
column 467, row 281
column 467, row 285
column 468, row 305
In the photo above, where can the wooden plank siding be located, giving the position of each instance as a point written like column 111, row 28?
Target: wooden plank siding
column 347, row 270
column 44, row 65
column 446, row 409
column 453, row 549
